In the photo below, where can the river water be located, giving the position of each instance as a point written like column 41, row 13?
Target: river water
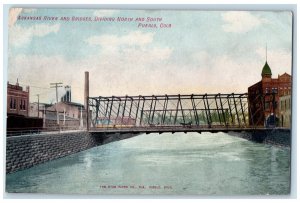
column 205, row 164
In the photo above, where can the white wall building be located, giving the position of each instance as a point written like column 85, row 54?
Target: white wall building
column 285, row 104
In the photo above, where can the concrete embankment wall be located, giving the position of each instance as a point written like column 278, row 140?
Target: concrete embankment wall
column 280, row 137
column 26, row 151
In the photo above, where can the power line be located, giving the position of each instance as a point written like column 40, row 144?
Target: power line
column 39, row 87
column 34, row 86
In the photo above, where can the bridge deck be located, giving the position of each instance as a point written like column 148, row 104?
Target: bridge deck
column 172, row 129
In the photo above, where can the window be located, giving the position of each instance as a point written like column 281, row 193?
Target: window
column 274, row 90
column 284, row 104
column 22, row 104
column 11, row 103
column 15, row 101
column 267, row 105
column 267, row 90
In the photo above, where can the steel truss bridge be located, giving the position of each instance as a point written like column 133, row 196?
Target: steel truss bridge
column 169, row 113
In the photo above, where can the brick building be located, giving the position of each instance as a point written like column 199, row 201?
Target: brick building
column 264, row 96
column 17, row 100
column 18, row 111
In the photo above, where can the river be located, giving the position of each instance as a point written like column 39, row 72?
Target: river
column 205, row 164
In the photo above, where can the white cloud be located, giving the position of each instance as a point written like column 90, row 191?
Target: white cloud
column 234, row 75
column 105, row 13
column 43, row 29
column 19, row 36
column 135, row 38
column 223, row 74
column 29, row 10
column 240, row 21
column 123, row 71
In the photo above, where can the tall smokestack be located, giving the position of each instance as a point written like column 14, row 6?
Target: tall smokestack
column 86, row 88
column 86, row 95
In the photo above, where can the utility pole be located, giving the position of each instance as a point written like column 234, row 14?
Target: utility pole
column 38, row 96
column 56, row 85
column 44, row 117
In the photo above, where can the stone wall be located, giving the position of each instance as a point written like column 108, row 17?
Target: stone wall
column 26, row 151
column 280, row 137
column 29, row 150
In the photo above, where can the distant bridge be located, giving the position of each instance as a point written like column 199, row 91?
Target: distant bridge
column 169, row 113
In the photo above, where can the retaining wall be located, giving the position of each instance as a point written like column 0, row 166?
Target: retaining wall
column 26, row 151
column 29, row 150
column 280, row 137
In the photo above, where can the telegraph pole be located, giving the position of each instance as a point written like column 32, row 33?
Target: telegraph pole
column 56, row 85
column 38, row 96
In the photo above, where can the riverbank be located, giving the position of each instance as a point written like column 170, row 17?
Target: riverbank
column 276, row 136
column 25, row 151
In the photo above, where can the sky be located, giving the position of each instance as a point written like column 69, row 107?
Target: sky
column 201, row 52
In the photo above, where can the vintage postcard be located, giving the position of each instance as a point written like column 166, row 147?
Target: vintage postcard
column 160, row 102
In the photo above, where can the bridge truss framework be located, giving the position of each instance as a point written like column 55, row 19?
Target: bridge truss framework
column 167, row 111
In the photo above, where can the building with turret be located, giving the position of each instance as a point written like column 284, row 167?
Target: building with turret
column 264, row 97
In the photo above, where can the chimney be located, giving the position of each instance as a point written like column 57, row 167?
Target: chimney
column 86, row 88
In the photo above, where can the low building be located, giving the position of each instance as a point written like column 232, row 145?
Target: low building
column 64, row 114
column 72, row 109
column 37, row 109
column 70, row 114
column 65, row 122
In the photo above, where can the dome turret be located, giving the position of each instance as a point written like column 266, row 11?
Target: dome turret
column 266, row 71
